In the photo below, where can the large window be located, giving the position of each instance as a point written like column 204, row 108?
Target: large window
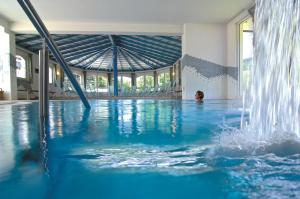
column 119, row 82
column 78, row 78
column 163, row 79
column 102, row 84
column 21, row 66
column 126, row 82
column 91, row 83
column 149, row 81
column 67, row 84
column 95, row 83
column 140, row 82
column 246, row 53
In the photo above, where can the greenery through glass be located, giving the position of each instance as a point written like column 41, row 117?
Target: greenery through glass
column 91, row 83
column 140, row 82
column 149, row 81
column 102, row 82
column 126, row 83
column 163, row 79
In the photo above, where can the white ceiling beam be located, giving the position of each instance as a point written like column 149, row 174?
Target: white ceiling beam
column 59, row 27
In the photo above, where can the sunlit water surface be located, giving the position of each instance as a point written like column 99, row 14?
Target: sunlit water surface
column 138, row 149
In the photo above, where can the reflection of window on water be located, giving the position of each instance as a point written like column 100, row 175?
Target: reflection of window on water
column 163, row 79
column 246, row 53
column 20, row 66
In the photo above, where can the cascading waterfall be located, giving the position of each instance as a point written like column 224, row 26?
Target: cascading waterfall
column 274, row 95
column 273, row 98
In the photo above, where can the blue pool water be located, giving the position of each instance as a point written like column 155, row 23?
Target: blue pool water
column 137, row 149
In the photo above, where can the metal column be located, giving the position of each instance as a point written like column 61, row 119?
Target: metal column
column 42, row 30
column 155, row 78
column 44, row 82
column 133, row 80
column 115, row 66
column 44, row 105
column 171, row 74
column 84, row 80
column 109, row 83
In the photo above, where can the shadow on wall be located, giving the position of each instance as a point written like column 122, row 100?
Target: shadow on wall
column 217, row 81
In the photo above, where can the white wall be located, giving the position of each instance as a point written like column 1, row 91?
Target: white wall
column 8, row 76
column 218, row 44
column 205, row 41
column 213, row 88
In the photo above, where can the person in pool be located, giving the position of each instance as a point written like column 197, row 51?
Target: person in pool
column 199, row 96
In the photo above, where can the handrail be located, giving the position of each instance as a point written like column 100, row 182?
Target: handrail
column 41, row 28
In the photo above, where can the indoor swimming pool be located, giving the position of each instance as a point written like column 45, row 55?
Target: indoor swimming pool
column 138, row 149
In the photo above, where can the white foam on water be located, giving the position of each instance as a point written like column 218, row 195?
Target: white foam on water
column 142, row 158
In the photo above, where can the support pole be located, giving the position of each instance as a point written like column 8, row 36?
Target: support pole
column 155, row 78
column 115, row 65
column 171, row 74
column 133, row 80
column 179, row 73
column 42, row 30
column 44, row 106
column 109, row 83
column 44, row 82
column 62, row 79
column 109, row 79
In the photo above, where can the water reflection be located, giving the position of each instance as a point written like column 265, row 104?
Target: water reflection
column 44, row 138
column 116, row 119
column 142, row 120
column 25, row 131
column 134, row 131
column 108, row 122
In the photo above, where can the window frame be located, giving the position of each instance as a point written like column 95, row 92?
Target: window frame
column 240, row 32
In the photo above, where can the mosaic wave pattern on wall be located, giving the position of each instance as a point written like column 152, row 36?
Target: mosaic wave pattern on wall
column 209, row 69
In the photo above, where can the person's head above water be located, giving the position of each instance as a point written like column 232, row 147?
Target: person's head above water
column 199, row 96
